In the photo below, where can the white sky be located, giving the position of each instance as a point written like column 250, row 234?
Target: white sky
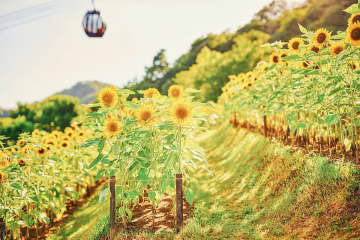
column 49, row 54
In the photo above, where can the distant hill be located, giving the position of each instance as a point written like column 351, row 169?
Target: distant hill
column 85, row 91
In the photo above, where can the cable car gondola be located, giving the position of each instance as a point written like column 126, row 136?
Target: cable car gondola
column 93, row 24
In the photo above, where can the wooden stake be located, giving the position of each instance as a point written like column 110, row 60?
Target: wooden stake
column 179, row 203
column 112, row 206
column 2, row 229
column 265, row 126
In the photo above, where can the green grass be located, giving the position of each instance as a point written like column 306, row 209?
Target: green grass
column 86, row 223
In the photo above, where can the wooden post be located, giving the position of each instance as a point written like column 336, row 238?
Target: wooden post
column 112, row 206
column 265, row 126
column 179, row 203
column 2, row 229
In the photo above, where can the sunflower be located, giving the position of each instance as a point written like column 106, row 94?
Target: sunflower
column 134, row 100
column 353, row 34
column 282, row 55
column 181, row 112
column 145, row 115
column 337, row 48
column 275, row 58
column 354, row 19
column 151, row 92
column 305, row 64
column 20, row 143
column 41, row 151
column 64, row 144
column 314, row 48
column 112, row 127
column 36, row 133
column 295, row 43
column 354, row 65
column 321, row 36
column 21, row 162
column 108, row 97
column 175, row 91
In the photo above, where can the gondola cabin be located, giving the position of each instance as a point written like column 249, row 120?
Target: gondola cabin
column 93, row 24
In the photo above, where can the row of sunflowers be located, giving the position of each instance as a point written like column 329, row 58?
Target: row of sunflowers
column 309, row 90
column 142, row 142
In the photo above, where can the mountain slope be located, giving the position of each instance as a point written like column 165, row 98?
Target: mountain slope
column 85, row 91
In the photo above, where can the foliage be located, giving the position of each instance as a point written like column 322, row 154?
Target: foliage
column 313, row 91
column 55, row 112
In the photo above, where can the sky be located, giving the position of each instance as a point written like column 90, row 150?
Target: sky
column 44, row 49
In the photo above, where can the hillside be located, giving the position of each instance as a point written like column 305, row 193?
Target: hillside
column 279, row 20
column 85, row 91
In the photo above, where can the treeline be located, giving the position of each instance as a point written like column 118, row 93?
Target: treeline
column 54, row 113
column 278, row 21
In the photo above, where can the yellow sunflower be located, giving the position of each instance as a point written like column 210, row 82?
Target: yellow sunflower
column 181, row 112
column 151, row 92
column 305, row 64
column 145, row 115
column 175, row 91
column 112, row 126
column 20, row 143
column 108, row 97
column 295, row 43
column 354, row 19
column 64, row 144
column 314, row 48
column 354, row 65
column 321, row 36
column 337, row 48
column 275, row 58
column 41, row 151
column 134, row 100
column 353, row 34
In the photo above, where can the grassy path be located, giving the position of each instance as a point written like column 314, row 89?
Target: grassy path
column 85, row 221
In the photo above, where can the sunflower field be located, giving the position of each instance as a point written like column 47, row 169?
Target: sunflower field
column 143, row 143
column 308, row 91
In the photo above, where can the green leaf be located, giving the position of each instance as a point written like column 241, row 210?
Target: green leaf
column 142, row 175
column 152, row 196
column 353, row 9
column 90, row 142
column 189, row 196
column 331, row 119
column 96, row 161
column 302, row 29
column 100, row 174
column 28, row 220
column 101, row 145
column 103, row 194
column 292, row 57
column 16, row 186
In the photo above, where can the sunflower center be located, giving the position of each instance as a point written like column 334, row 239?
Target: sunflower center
column 305, row 64
column 113, row 127
column 355, row 34
column 321, row 38
column 338, row 50
column 108, row 98
column 64, row 145
column 41, row 151
column 356, row 19
column 181, row 113
column 295, row 45
column 175, row 92
column 146, row 115
column 283, row 55
column 276, row 59
column 315, row 49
